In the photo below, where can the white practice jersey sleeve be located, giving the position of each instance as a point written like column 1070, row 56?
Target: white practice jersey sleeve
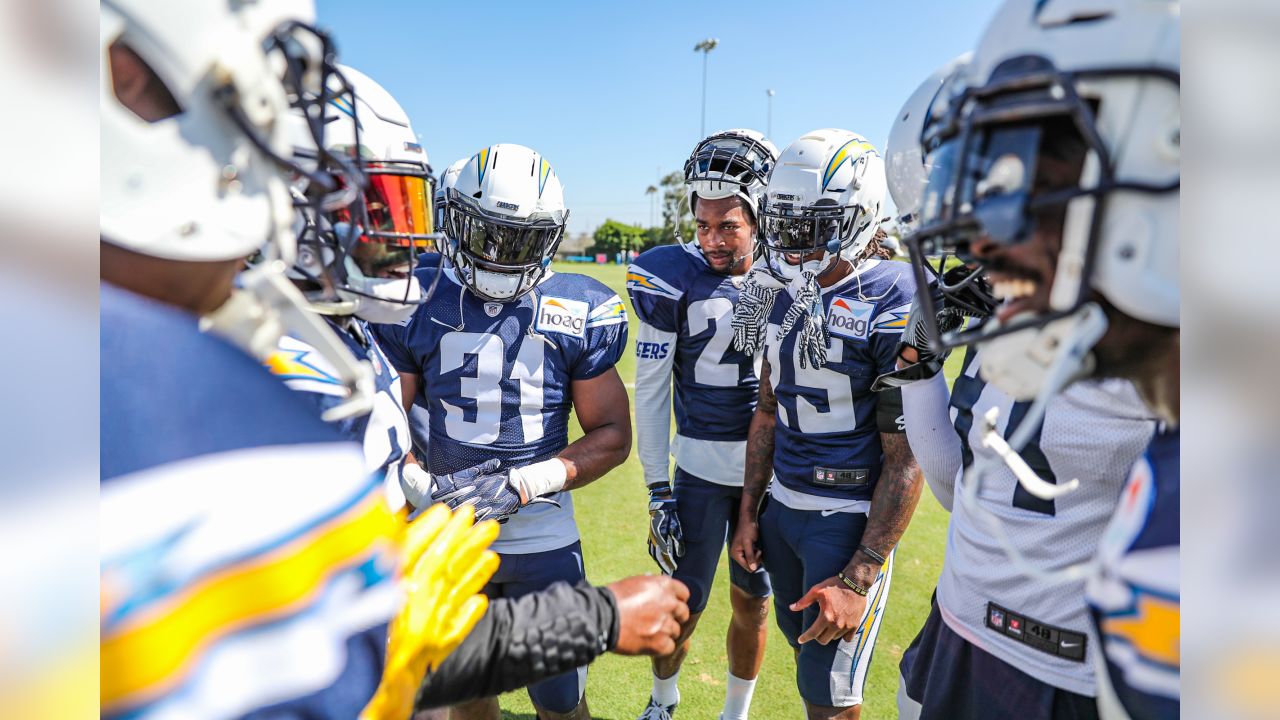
column 931, row 435
column 653, row 402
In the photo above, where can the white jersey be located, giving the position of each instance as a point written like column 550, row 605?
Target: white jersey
column 1093, row 431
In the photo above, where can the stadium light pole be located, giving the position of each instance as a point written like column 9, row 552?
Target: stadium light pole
column 769, row 121
column 705, row 47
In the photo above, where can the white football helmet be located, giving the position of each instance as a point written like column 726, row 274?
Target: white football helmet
column 206, row 177
column 730, row 163
column 448, row 179
column 907, row 174
column 204, row 183
column 1090, row 84
column 367, row 248
column 825, row 194
column 504, row 218
column 904, row 164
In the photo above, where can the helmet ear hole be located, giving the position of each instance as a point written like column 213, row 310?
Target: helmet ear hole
column 137, row 86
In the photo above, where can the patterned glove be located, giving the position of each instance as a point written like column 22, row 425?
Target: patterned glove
column 445, row 563
column 495, row 493
column 666, row 537
column 751, row 315
column 916, row 336
column 807, row 310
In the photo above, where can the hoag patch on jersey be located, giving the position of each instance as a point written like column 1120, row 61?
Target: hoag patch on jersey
column 849, row 318
column 562, row 315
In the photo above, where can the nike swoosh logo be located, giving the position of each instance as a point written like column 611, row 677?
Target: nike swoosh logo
column 1066, row 644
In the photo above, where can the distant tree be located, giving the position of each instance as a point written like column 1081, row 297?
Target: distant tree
column 655, row 236
column 613, row 236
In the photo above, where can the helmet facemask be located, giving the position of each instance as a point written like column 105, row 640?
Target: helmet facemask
column 733, row 163
column 499, row 258
column 786, row 230
column 990, row 152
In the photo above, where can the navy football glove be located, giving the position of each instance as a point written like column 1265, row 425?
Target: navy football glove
column 952, row 309
column 486, row 487
column 666, row 537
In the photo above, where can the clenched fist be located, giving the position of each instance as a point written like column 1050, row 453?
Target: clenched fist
column 651, row 609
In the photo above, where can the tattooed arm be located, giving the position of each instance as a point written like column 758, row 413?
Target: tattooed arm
column 759, row 470
column 892, row 504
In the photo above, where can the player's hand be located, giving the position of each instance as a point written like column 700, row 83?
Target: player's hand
column 651, row 611
column 666, row 536
column 744, row 549
column 445, row 563
column 486, row 486
column 916, row 358
column 840, row 611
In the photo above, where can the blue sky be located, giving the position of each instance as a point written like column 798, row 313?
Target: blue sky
column 610, row 92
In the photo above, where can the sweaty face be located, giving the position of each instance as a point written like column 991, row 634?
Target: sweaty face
column 725, row 233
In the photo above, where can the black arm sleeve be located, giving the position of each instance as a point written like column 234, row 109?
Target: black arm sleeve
column 525, row 640
column 889, row 415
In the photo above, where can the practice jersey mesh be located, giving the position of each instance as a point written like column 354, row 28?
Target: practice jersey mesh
column 1092, row 431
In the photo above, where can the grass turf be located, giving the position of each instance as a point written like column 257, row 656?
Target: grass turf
column 612, row 514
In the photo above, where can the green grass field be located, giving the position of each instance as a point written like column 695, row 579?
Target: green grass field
column 613, row 514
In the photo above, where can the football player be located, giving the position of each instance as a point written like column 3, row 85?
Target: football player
column 502, row 352
column 999, row 643
column 684, row 296
column 829, row 311
column 248, row 560
column 355, row 268
column 1068, row 199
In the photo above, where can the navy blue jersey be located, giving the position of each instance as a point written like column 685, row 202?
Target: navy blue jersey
column 1135, row 598
column 221, row 489
column 383, row 431
column 429, row 265
column 160, row 374
column 497, row 377
column 674, row 290
column 826, row 441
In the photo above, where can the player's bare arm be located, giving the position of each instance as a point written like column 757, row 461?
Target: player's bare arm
column 892, row 504
column 744, row 550
column 409, row 383
column 604, row 412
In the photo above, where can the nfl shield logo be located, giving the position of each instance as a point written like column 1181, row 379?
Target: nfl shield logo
column 997, row 619
column 492, row 309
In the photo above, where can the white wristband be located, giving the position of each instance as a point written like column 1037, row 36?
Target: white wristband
column 417, row 485
column 540, row 478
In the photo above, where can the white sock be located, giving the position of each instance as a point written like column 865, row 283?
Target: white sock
column 737, row 698
column 665, row 691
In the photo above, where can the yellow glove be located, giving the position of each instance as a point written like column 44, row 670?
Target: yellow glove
column 447, row 562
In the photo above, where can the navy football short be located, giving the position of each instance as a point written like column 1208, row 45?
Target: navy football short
column 524, row 573
column 801, row 549
column 946, row 676
column 708, row 515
